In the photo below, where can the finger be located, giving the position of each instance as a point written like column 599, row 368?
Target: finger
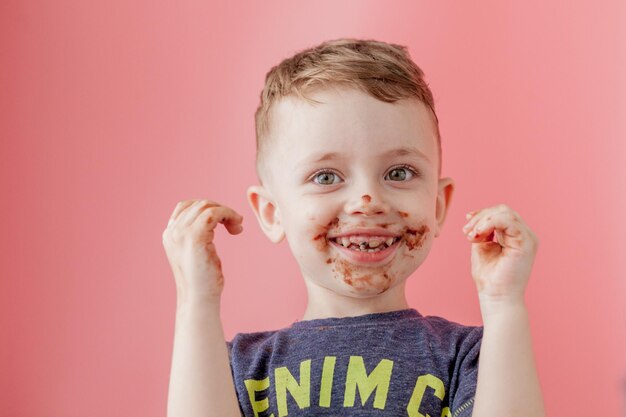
column 232, row 221
column 499, row 225
column 190, row 215
column 221, row 214
column 234, row 228
column 479, row 215
column 225, row 215
column 182, row 205
column 476, row 217
column 470, row 224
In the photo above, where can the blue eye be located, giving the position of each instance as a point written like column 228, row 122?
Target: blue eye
column 400, row 172
column 325, row 176
column 396, row 174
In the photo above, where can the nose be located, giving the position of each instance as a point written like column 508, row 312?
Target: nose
column 368, row 204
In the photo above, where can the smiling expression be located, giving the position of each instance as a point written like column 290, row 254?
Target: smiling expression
column 358, row 166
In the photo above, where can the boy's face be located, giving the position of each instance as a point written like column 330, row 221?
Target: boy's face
column 341, row 167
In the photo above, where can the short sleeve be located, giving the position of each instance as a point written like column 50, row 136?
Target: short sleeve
column 229, row 348
column 466, row 374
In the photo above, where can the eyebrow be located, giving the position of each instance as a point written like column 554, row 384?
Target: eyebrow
column 328, row 156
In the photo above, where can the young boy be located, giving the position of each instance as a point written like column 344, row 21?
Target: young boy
column 349, row 163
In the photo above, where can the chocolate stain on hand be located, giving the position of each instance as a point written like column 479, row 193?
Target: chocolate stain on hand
column 215, row 260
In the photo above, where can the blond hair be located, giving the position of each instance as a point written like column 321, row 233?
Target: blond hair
column 383, row 70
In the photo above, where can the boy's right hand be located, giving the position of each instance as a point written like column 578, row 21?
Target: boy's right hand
column 188, row 243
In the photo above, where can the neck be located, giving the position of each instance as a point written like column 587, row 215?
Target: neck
column 324, row 303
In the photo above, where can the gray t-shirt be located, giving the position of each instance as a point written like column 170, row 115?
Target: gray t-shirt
column 397, row 363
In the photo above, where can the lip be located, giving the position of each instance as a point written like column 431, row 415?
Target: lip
column 365, row 232
column 367, row 258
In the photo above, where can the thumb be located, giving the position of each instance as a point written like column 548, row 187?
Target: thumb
column 234, row 227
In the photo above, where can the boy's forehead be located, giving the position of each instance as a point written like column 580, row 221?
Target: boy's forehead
column 349, row 121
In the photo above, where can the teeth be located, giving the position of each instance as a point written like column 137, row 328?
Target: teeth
column 364, row 248
column 367, row 239
column 374, row 243
column 364, row 242
column 357, row 239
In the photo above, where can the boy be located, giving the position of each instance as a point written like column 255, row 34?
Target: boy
column 349, row 163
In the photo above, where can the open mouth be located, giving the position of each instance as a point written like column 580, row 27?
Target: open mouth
column 370, row 244
column 366, row 250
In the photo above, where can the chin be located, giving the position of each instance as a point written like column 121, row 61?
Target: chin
column 366, row 285
column 362, row 294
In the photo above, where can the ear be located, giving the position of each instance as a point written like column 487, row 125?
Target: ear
column 267, row 212
column 444, row 197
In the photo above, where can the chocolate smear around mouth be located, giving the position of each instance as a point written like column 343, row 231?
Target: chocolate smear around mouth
column 387, row 283
column 320, row 237
column 376, row 280
column 415, row 238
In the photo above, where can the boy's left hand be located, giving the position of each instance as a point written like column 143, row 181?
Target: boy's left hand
column 500, row 268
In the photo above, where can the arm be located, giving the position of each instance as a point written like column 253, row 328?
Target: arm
column 507, row 384
column 201, row 382
column 503, row 251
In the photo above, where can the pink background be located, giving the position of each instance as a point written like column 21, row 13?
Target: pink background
column 113, row 111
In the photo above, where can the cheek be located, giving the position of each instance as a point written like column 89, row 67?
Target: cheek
column 415, row 237
column 416, row 233
column 317, row 233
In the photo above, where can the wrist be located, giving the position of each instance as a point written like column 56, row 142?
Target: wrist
column 198, row 304
column 501, row 306
column 196, row 298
